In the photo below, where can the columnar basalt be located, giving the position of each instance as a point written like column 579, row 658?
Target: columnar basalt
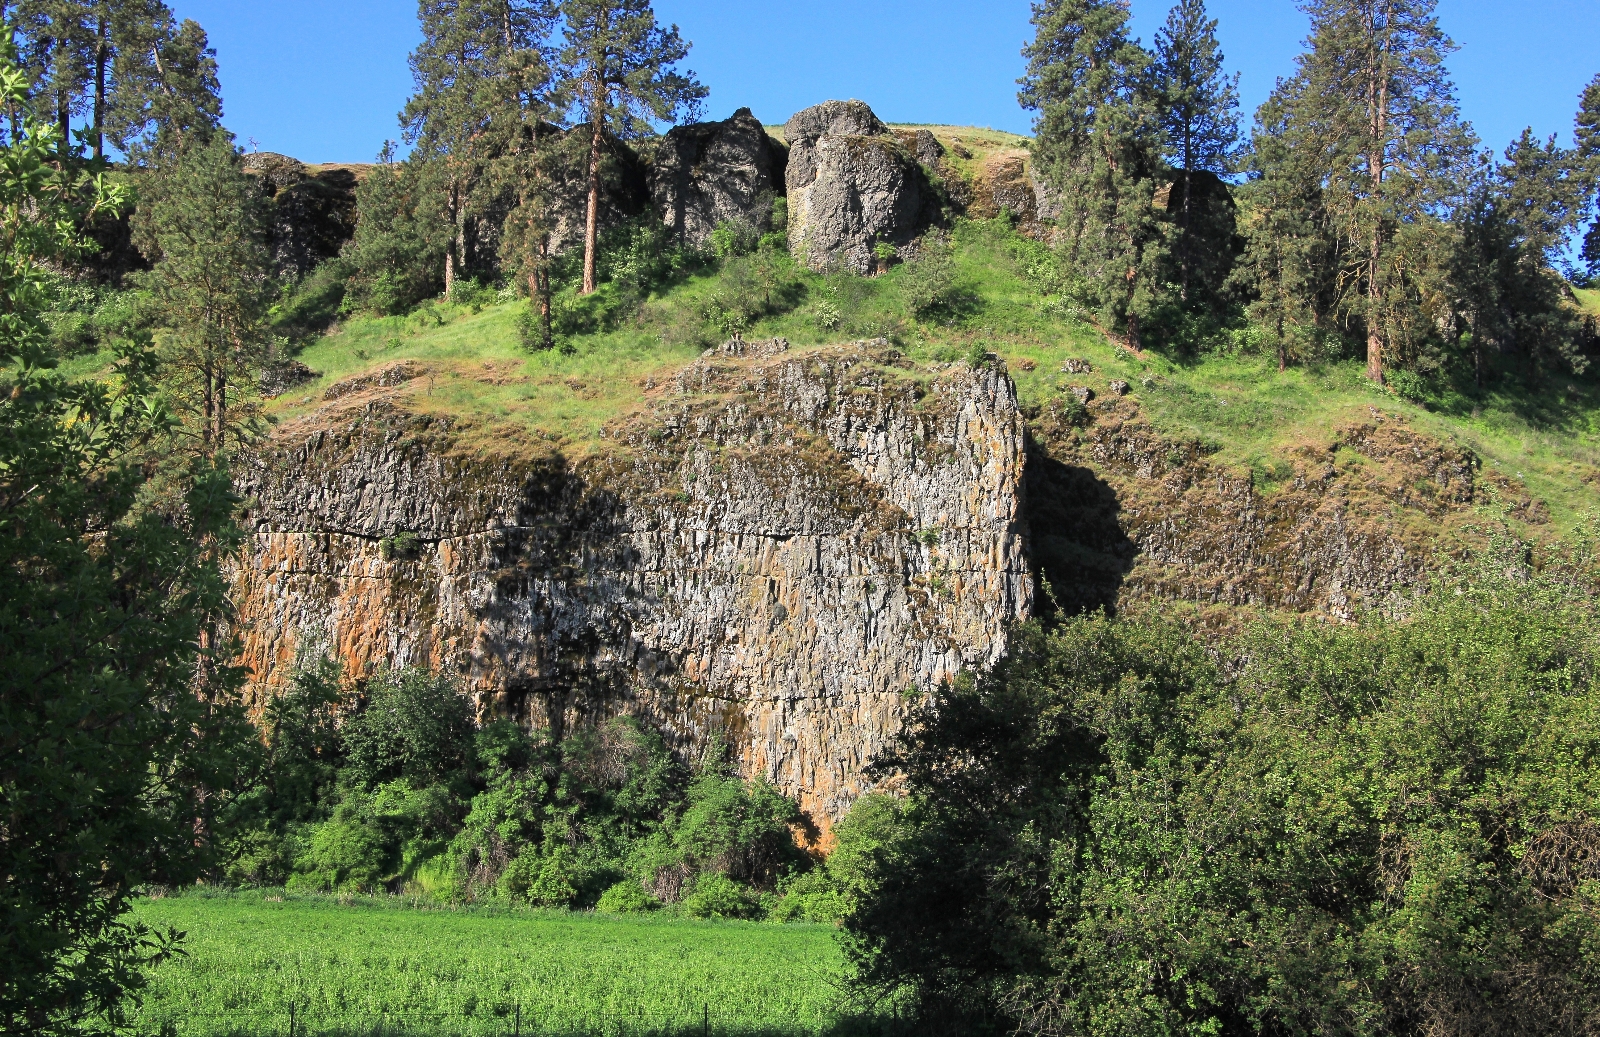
column 776, row 551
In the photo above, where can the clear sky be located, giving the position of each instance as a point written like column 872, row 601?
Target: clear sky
column 323, row 80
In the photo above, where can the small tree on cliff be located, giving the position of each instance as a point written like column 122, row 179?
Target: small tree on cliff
column 620, row 73
column 1588, row 136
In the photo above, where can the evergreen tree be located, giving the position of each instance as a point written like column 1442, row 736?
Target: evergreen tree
column 399, row 247
column 1588, row 149
column 1370, row 122
column 1098, row 143
column 202, row 224
column 166, row 89
column 57, row 46
column 620, row 73
column 480, row 70
column 1199, row 112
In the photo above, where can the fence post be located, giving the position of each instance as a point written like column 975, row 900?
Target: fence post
column 517, row 1028
column 705, row 1019
column 291, row 1019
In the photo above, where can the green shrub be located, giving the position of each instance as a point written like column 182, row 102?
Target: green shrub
column 351, row 852
column 625, row 898
column 542, row 879
column 927, row 283
column 743, row 830
column 717, row 896
column 731, row 238
column 811, row 897
column 416, row 725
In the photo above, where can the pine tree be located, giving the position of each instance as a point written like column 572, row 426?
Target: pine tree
column 620, row 73
column 57, row 47
column 1098, row 144
column 166, row 92
column 1588, row 151
column 1370, row 118
column 1199, row 112
column 202, row 224
column 479, row 71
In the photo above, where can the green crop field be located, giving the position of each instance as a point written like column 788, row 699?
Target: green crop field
column 376, row 967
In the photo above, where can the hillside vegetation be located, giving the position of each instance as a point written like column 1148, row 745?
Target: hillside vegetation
column 1543, row 432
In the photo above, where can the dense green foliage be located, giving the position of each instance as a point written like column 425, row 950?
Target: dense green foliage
column 396, row 789
column 114, row 739
column 1389, row 827
column 376, row 965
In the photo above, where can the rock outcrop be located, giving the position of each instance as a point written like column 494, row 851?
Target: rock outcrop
column 853, row 186
column 705, row 173
column 777, row 552
column 312, row 212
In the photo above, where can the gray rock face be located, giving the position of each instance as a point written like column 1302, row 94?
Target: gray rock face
column 852, row 186
column 709, row 172
column 311, row 214
column 784, row 547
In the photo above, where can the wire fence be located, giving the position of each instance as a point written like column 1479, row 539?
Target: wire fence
column 299, row 1020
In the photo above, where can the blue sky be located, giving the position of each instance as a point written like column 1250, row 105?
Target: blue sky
column 322, row 81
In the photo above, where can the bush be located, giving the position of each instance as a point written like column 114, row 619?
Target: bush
column 416, row 725
column 739, row 829
column 928, row 283
column 732, row 238
column 717, row 896
column 542, row 879
column 625, row 898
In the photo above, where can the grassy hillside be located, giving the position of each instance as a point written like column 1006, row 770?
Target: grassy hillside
column 378, row 966
column 1544, row 435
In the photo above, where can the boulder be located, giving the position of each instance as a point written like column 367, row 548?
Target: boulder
column 852, row 186
column 706, row 173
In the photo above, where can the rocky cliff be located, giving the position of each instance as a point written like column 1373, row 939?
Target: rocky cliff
column 776, row 548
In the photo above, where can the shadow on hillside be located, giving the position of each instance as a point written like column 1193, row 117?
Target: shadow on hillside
column 1077, row 544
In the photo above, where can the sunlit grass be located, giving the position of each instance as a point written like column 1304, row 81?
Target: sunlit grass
column 385, row 967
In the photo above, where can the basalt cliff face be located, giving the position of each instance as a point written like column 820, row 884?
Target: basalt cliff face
column 775, row 549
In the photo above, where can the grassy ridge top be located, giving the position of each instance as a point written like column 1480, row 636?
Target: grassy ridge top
column 1544, row 435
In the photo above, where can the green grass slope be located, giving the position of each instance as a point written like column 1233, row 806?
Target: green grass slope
column 1543, row 436
column 382, row 967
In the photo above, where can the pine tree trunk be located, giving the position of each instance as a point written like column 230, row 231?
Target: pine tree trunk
column 591, row 229
column 208, row 409
column 222, row 413
column 450, row 250
column 543, row 273
column 102, row 57
column 1378, row 108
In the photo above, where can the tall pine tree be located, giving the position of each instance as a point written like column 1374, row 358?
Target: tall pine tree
column 621, row 75
column 481, row 72
column 1370, row 119
column 1588, row 149
column 1199, row 112
column 202, row 223
column 1098, row 145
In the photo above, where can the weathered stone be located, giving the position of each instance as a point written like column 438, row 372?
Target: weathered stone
column 777, row 554
column 706, row 173
column 1120, row 387
column 312, row 212
column 852, row 186
column 1077, row 365
column 1082, row 393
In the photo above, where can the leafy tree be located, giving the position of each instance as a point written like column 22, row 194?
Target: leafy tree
column 1098, row 144
column 619, row 71
column 166, row 87
column 115, row 743
column 203, row 226
column 1369, row 125
column 1199, row 113
column 416, row 725
column 1380, row 828
column 479, row 71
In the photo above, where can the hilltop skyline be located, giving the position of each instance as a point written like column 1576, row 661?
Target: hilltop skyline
column 324, row 82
